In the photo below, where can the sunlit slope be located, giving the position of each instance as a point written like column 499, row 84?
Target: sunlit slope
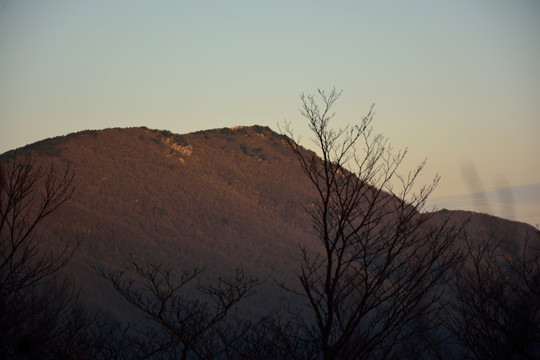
column 219, row 200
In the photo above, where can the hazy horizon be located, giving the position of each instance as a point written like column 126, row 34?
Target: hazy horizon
column 518, row 203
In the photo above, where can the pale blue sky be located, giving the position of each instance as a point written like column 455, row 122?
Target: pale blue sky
column 456, row 81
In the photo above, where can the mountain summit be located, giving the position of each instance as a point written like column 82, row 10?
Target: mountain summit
column 217, row 200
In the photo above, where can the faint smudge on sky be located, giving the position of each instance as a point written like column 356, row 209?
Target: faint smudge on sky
column 520, row 203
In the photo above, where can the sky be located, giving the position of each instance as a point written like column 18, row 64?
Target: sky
column 456, row 82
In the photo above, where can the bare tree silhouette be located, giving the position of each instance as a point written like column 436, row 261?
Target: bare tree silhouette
column 495, row 309
column 187, row 327
column 30, row 192
column 378, row 275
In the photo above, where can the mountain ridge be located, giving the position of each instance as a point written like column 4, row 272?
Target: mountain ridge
column 221, row 211
column 216, row 199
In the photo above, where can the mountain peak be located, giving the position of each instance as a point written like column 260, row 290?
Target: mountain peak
column 218, row 199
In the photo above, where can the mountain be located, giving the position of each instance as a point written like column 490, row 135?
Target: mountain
column 218, row 199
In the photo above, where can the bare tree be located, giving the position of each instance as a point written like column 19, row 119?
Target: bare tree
column 29, row 192
column 377, row 277
column 494, row 312
column 188, row 327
